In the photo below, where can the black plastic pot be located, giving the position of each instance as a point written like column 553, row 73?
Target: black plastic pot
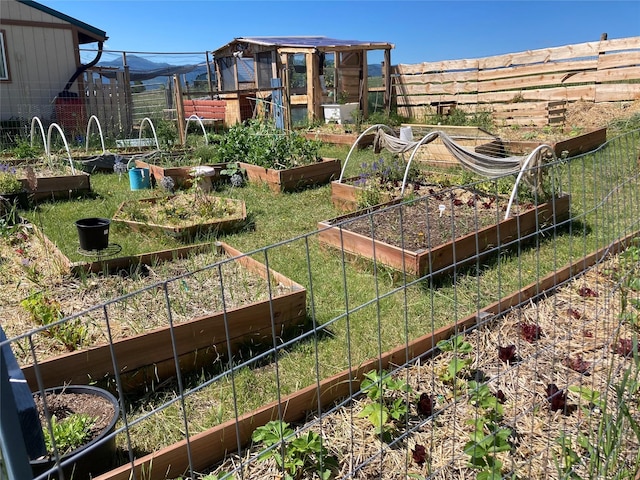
column 91, row 459
column 20, row 200
column 93, row 233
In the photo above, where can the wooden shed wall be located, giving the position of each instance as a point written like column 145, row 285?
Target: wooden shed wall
column 525, row 87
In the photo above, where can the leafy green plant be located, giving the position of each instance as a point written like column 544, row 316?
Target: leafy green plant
column 388, row 404
column 457, row 364
column 295, row 455
column 45, row 311
column 69, row 433
column 8, row 224
column 203, row 154
column 630, row 285
column 233, row 168
column 218, row 476
column 456, row 343
column 343, row 97
column 488, row 437
column 235, row 172
column 392, row 119
column 380, row 177
column 601, row 453
column 23, row 149
column 167, row 133
column 262, row 144
column 357, row 117
column 9, row 182
column 569, row 458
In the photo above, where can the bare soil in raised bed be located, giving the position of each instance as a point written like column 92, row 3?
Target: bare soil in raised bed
column 424, row 223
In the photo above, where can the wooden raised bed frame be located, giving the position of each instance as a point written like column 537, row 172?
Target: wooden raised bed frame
column 62, row 186
column 295, row 178
column 436, row 154
column 181, row 175
column 209, row 447
column 442, row 256
column 188, row 231
column 341, row 138
column 147, row 357
column 577, row 145
column 344, row 195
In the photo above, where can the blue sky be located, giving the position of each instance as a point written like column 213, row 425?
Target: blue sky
column 422, row 31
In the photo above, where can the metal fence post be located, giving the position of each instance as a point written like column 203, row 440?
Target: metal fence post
column 13, row 452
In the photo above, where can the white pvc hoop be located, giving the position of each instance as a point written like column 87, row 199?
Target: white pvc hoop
column 153, row 129
column 426, row 139
column 204, row 131
column 35, row 120
column 353, row 147
column 66, row 145
column 93, row 117
column 522, row 169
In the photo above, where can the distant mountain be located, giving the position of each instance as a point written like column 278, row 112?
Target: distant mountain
column 156, row 73
column 135, row 63
column 374, row 70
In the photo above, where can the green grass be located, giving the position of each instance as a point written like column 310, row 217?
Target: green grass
column 364, row 309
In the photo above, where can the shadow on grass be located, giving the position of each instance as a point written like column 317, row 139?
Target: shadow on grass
column 490, row 260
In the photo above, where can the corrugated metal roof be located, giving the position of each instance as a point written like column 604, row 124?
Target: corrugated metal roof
column 90, row 34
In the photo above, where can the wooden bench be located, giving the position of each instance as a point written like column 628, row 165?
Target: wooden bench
column 210, row 112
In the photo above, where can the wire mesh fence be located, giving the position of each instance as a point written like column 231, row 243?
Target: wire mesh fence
column 120, row 91
column 512, row 352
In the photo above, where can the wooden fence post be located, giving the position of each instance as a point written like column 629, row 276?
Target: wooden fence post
column 182, row 135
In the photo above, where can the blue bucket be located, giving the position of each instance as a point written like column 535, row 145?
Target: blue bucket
column 139, row 178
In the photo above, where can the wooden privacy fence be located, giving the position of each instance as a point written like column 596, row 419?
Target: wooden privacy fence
column 109, row 99
column 525, row 88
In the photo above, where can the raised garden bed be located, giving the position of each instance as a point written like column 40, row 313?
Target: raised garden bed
column 98, row 162
column 340, row 138
column 208, row 448
column 436, row 154
column 346, row 196
column 291, row 179
column 58, row 182
column 511, row 395
column 569, row 147
column 53, row 175
column 428, row 242
column 181, row 175
column 60, row 186
column 382, row 181
column 200, row 339
column 183, row 216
